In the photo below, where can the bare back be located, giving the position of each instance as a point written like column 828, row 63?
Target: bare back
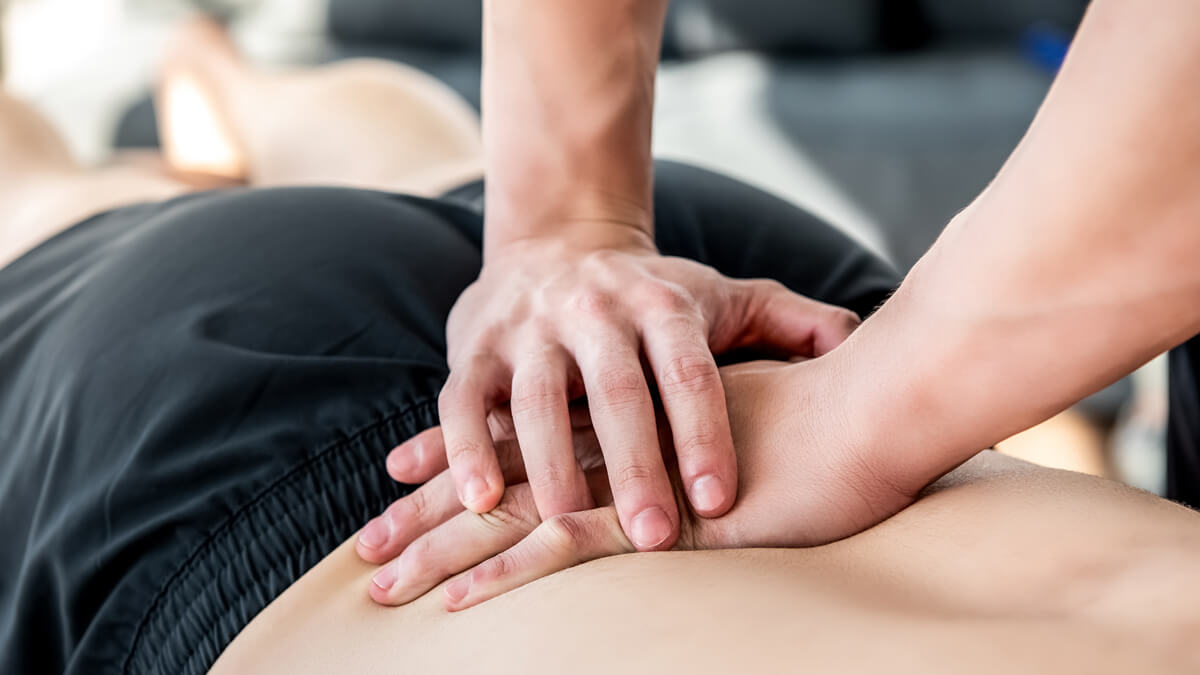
column 1003, row 566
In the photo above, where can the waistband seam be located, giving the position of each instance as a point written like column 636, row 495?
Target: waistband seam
column 254, row 504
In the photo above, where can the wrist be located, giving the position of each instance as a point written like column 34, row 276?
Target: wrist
column 822, row 390
column 569, row 200
column 568, row 237
column 887, row 398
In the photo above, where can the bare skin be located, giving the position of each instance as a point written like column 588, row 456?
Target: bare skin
column 43, row 190
column 1074, row 267
column 361, row 123
column 1006, row 563
column 1003, row 567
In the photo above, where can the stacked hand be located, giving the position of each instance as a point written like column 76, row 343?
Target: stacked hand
column 803, row 481
column 601, row 314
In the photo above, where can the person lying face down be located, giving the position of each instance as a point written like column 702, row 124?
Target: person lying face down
column 250, row 443
column 999, row 566
column 199, row 391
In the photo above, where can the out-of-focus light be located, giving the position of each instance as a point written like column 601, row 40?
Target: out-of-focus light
column 195, row 137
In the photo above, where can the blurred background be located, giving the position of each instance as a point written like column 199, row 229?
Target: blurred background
column 885, row 117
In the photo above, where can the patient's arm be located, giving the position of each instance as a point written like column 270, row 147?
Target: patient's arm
column 1001, row 567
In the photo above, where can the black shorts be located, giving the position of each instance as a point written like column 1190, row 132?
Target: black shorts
column 197, row 396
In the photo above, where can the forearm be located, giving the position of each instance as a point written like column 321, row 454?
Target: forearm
column 1074, row 267
column 568, row 96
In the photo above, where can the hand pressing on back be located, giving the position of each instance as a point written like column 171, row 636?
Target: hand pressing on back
column 607, row 316
column 803, row 481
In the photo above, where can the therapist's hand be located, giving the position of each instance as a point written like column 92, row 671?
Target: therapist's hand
column 805, row 480
column 603, row 314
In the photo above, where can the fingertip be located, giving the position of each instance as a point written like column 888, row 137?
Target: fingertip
column 710, row 496
column 419, row 458
column 481, row 495
column 841, row 323
column 402, row 462
column 485, row 581
column 455, row 593
column 652, row 530
column 380, row 587
column 370, row 555
column 371, row 542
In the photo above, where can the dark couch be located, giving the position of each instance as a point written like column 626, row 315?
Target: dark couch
column 909, row 105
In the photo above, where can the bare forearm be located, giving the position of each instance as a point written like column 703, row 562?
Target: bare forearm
column 1074, row 267
column 568, row 95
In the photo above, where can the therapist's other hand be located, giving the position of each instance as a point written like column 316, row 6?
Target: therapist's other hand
column 551, row 320
column 804, row 481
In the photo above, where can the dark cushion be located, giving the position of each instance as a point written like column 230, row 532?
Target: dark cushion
column 436, row 24
column 693, row 26
column 703, row 26
column 998, row 19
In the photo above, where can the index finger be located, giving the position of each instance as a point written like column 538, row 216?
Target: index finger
column 463, row 409
column 423, row 456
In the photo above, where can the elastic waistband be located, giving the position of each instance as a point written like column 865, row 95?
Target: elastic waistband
column 267, row 545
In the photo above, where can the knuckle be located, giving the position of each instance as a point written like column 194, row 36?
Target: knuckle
column 515, row 513
column 594, row 302
column 537, row 396
column 417, row 505
column 563, row 535
column 621, row 385
column 702, row 441
column 553, row 478
column 420, row 555
column 689, row 373
column 765, row 293
column 542, row 327
column 663, row 296
column 498, row 567
column 632, row 476
column 469, row 370
column 771, row 286
column 465, row 450
column 763, row 288
column 505, row 519
column 600, row 263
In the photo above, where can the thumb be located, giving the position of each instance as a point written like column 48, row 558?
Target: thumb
column 776, row 318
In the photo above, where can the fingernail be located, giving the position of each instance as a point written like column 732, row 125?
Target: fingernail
column 650, row 528
column 458, row 588
column 376, row 532
column 474, row 491
column 386, row 577
column 707, row 493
